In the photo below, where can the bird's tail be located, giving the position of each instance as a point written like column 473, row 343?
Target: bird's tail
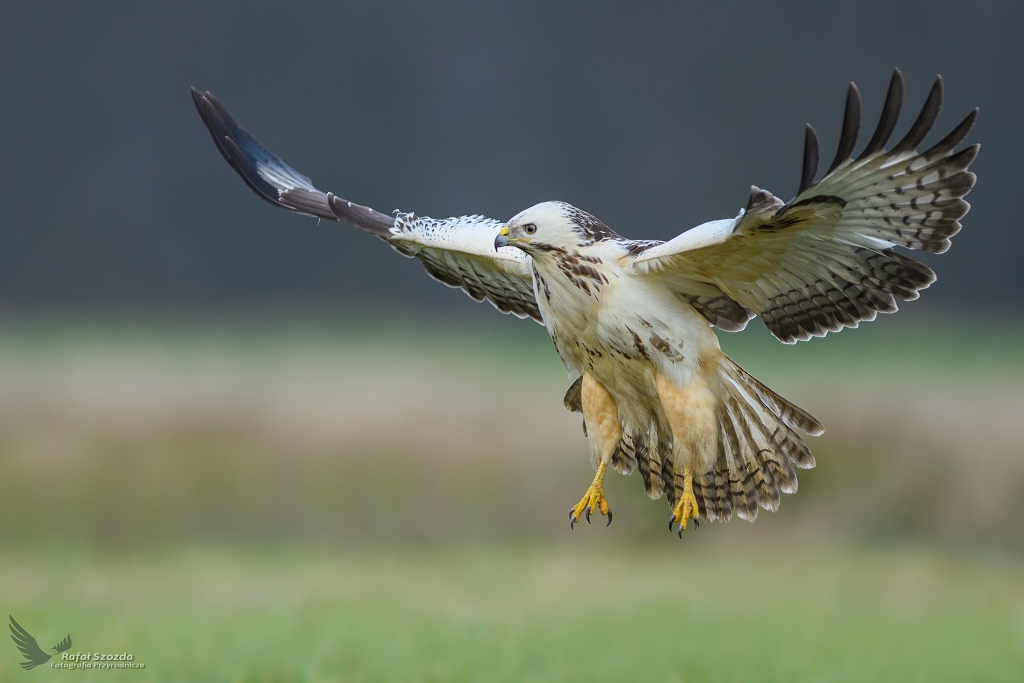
column 758, row 444
column 758, row 448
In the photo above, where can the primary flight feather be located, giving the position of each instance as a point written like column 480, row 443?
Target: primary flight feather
column 631, row 320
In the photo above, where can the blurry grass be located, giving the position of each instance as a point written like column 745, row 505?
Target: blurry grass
column 127, row 432
column 382, row 501
column 913, row 344
column 119, row 487
column 781, row 611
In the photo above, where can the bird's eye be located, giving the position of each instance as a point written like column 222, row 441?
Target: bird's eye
column 530, row 228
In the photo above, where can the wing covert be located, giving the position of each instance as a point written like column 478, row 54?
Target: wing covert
column 456, row 251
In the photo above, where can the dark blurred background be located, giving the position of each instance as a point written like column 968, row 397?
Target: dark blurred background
column 655, row 117
column 245, row 445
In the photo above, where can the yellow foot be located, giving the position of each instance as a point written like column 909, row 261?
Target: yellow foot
column 687, row 508
column 593, row 501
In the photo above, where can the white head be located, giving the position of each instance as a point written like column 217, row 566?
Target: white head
column 552, row 226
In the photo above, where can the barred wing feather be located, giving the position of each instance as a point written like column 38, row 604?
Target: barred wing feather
column 825, row 260
column 460, row 253
column 456, row 251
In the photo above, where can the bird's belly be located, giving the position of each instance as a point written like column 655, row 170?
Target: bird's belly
column 628, row 336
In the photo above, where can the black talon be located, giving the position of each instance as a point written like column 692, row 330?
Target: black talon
column 609, row 518
column 681, row 527
column 671, row 521
column 696, row 523
column 572, row 520
column 588, row 515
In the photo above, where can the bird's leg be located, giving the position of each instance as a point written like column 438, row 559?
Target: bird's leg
column 593, row 500
column 690, row 414
column 686, row 509
column 604, row 431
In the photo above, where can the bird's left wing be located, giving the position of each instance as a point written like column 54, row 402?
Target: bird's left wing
column 457, row 251
column 825, row 260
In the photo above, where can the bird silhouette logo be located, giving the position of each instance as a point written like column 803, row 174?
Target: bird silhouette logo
column 34, row 655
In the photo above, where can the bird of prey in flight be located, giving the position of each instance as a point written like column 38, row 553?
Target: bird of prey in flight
column 631, row 319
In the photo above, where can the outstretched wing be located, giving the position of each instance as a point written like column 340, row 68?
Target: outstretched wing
column 457, row 251
column 64, row 645
column 34, row 656
column 825, row 260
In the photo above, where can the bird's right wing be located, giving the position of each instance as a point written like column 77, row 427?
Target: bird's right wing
column 27, row 644
column 827, row 259
column 457, row 251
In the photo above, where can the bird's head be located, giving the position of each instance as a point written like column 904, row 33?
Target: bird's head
column 552, row 226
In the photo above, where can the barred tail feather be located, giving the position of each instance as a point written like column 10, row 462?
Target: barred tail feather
column 624, row 459
column 661, row 447
column 650, row 455
column 759, row 448
column 791, row 415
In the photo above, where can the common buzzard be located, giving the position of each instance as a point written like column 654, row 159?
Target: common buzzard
column 631, row 320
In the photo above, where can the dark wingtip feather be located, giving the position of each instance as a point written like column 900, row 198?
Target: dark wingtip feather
column 890, row 115
column 214, row 123
column 252, row 178
column 277, row 182
column 245, row 155
column 810, row 159
column 949, row 143
column 925, row 120
column 967, row 157
column 851, row 126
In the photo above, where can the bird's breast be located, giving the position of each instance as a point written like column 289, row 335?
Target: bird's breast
column 573, row 290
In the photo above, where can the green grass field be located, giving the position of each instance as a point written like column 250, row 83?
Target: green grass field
column 297, row 502
column 584, row 611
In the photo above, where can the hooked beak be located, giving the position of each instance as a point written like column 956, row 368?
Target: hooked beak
column 502, row 239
